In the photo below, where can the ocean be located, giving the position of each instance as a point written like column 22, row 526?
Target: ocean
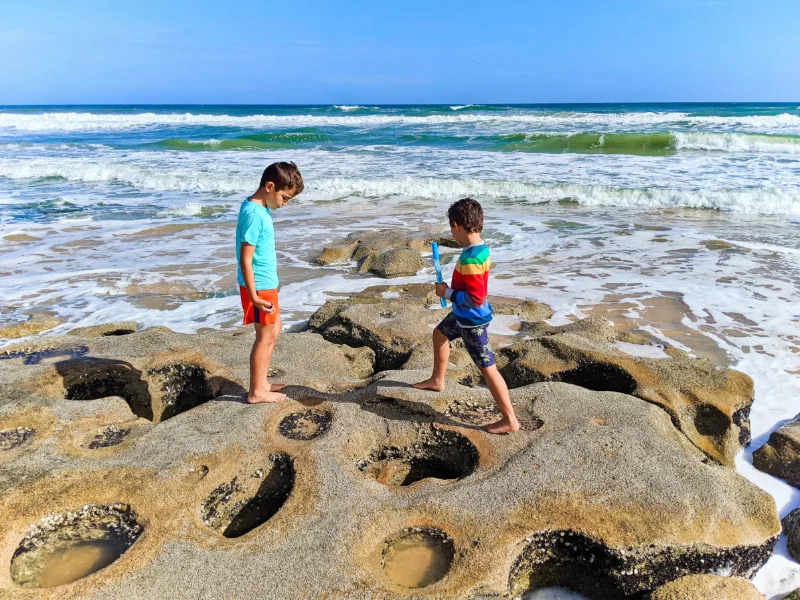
column 682, row 220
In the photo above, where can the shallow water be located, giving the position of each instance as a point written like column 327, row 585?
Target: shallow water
column 417, row 560
column 77, row 560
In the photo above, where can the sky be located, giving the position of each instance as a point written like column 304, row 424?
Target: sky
column 392, row 52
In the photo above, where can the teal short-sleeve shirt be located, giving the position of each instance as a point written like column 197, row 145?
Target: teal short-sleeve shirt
column 255, row 228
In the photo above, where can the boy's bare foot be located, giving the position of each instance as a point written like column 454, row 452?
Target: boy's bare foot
column 276, row 387
column 429, row 384
column 504, row 425
column 266, row 397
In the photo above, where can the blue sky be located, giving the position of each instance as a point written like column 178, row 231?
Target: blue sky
column 414, row 51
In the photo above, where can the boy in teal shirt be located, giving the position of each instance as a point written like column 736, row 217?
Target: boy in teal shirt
column 258, row 271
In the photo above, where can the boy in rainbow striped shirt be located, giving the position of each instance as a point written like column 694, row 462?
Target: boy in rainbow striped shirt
column 471, row 313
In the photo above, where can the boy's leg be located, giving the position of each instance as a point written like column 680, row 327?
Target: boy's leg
column 441, row 354
column 497, row 385
column 476, row 340
column 273, row 387
column 259, row 365
column 445, row 331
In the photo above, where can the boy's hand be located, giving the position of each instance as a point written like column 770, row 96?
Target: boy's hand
column 264, row 305
column 441, row 288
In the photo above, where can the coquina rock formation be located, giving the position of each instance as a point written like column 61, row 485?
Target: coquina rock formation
column 142, row 439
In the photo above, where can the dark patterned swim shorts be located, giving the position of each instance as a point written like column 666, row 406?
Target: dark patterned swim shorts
column 476, row 339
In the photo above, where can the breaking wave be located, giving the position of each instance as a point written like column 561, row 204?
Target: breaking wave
column 75, row 121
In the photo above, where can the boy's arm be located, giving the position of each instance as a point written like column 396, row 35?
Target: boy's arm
column 474, row 277
column 247, row 252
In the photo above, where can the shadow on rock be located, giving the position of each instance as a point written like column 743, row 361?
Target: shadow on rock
column 95, row 378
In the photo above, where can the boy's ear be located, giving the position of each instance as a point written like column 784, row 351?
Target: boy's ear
column 270, row 187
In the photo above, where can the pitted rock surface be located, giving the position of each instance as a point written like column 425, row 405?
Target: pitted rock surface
column 710, row 404
column 598, row 491
column 397, row 323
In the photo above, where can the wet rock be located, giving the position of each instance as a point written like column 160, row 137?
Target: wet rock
column 709, row 404
column 706, row 587
column 389, row 253
column 795, row 595
column 336, row 253
column 791, row 527
column 780, row 456
column 106, row 329
column 37, row 323
column 397, row 263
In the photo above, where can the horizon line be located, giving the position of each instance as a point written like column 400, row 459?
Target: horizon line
column 384, row 104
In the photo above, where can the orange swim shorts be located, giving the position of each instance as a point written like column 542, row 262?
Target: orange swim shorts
column 255, row 315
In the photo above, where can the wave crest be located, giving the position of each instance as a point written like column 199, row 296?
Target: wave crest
column 74, row 121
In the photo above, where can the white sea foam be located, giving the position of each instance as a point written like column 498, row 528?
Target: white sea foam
column 229, row 181
column 462, row 107
column 737, row 142
column 75, row 121
column 190, row 209
column 641, row 351
column 766, row 201
column 349, row 108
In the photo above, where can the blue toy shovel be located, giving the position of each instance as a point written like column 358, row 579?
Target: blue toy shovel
column 438, row 265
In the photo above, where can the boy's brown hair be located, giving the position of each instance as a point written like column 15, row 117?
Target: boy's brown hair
column 284, row 175
column 467, row 213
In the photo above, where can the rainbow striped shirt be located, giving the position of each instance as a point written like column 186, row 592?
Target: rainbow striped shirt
column 470, row 287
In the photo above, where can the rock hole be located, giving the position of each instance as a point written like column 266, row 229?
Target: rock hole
column 95, row 378
column 182, row 386
column 249, row 499
column 565, row 559
column 64, row 547
column 121, row 331
column 16, row 437
column 441, row 454
column 472, row 413
column 306, row 424
column 417, row 557
column 112, row 435
column 599, row 377
column 710, row 421
column 158, row 395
